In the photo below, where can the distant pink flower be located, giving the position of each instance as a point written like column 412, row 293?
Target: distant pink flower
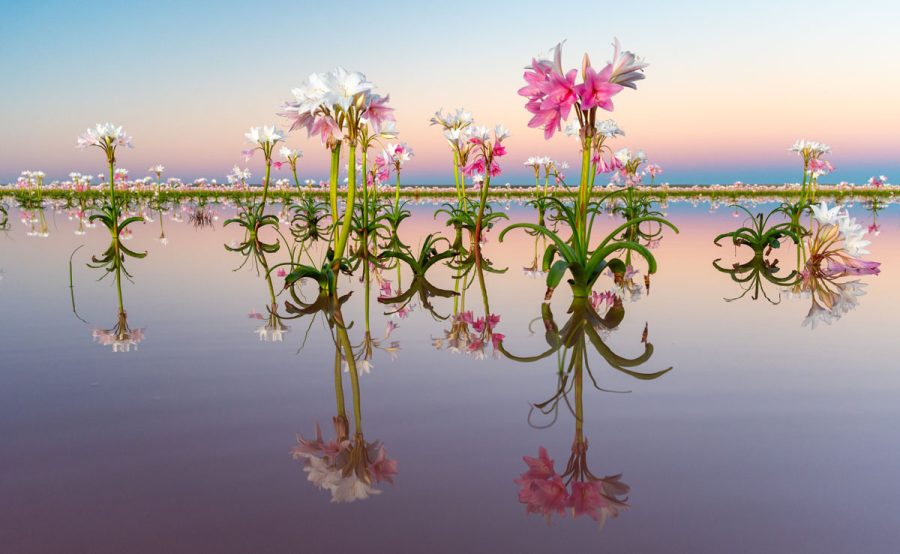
column 877, row 182
column 281, row 272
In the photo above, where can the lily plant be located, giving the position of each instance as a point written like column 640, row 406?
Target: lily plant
column 553, row 94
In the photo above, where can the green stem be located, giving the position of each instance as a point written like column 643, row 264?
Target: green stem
column 294, row 171
column 333, row 181
column 348, row 209
column 484, row 193
column 344, row 341
column 397, row 193
column 339, row 384
column 262, row 205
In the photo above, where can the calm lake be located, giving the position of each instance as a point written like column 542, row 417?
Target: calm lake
column 772, row 432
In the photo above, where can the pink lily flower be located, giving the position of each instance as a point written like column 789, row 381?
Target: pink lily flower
column 597, row 91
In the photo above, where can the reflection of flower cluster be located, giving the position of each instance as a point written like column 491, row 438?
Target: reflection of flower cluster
column 835, row 249
column 121, row 338
column 366, row 350
column 545, row 492
column 831, row 299
column 471, row 335
column 627, row 284
column 273, row 330
column 348, row 469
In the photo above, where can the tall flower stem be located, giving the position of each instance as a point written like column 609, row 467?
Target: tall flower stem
column 119, row 278
column 344, row 342
column 294, row 171
column 585, row 190
column 484, row 193
column 339, row 384
column 365, row 207
column 348, row 209
column 262, row 205
column 112, row 184
column 481, row 284
column 459, row 196
column 333, row 181
column 397, row 193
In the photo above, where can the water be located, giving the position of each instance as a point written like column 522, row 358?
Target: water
column 766, row 436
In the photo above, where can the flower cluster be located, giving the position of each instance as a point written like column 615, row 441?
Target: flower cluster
column 471, row 335
column 272, row 330
column 366, row 350
column 348, row 469
column 264, row 139
column 878, row 182
column 838, row 243
column 121, row 338
column 809, row 150
column 552, row 92
column 337, row 106
column 551, row 167
column 545, row 492
column 486, row 150
column 107, row 137
column 238, row 176
column 392, row 157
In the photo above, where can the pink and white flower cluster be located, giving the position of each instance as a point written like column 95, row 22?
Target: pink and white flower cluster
column 337, row 105
column 487, row 149
column 545, row 492
column 348, row 469
column 471, row 336
column 553, row 92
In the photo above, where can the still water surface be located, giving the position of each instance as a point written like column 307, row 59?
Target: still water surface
column 766, row 436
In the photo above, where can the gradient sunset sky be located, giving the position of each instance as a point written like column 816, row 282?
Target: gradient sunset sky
column 728, row 90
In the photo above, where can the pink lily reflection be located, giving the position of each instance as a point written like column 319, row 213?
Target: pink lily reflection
column 577, row 491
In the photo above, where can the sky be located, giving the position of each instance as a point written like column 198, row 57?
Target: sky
column 729, row 87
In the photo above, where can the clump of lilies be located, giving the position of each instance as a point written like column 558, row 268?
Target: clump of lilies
column 109, row 138
column 488, row 149
column 814, row 166
column 291, row 156
column 553, row 94
column 392, row 158
column 550, row 167
column 264, row 139
column 340, row 107
column 456, row 130
column 158, row 171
